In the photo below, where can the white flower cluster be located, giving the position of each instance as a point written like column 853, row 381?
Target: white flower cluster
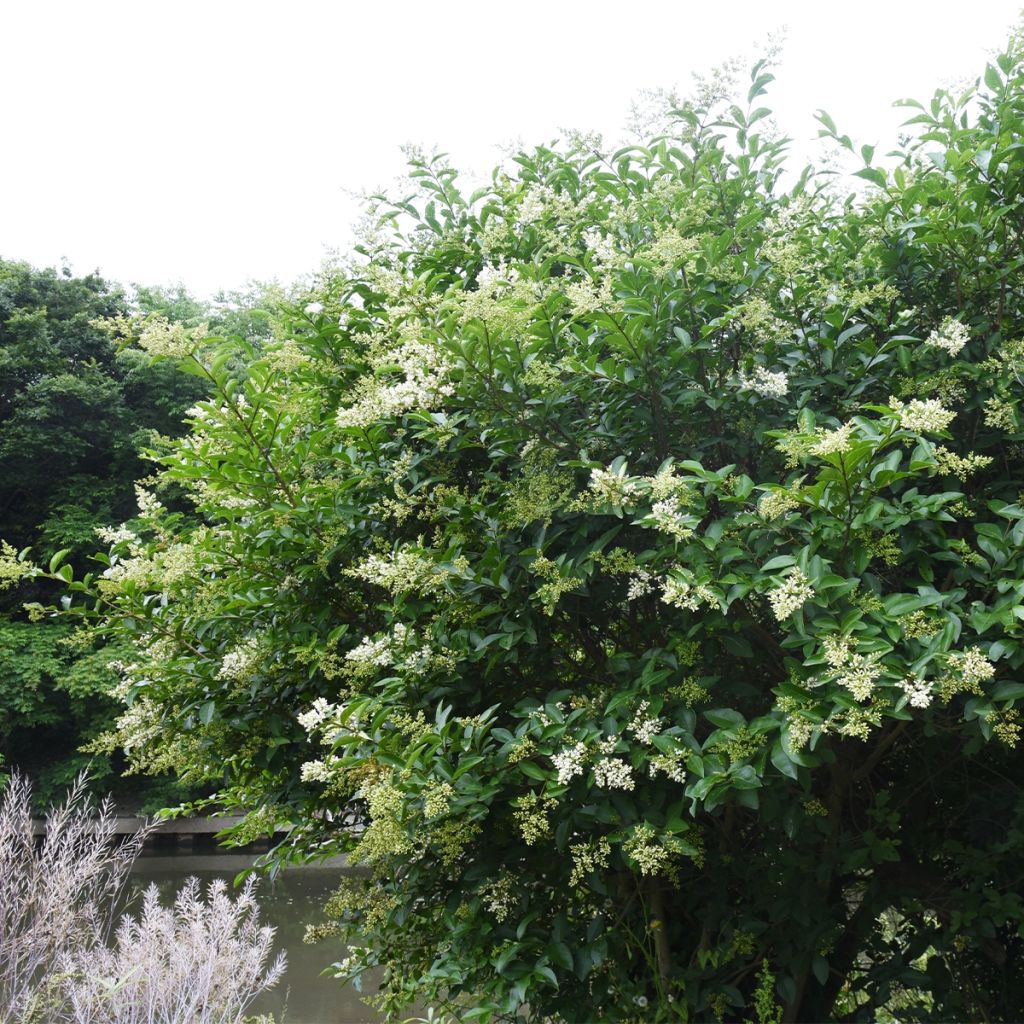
column 601, row 247
column 667, row 484
column 670, row 250
column 406, row 570
column 318, row 771
column 858, row 673
column 371, row 652
column 950, row 336
column 160, row 337
column 859, row 676
column 645, row 851
column 951, row 464
column 837, row 650
column 791, row 595
column 668, row 518
column 534, row 201
column 493, row 278
column 499, row 896
column 975, row 667
column 239, row 663
column 643, row 727
column 13, row 568
column 1000, row 415
column 613, row 773
column 586, row 296
column 641, row 583
column 918, row 690
column 922, row 416
column 437, row 798
column 834, row 442
column 673, row 765
column 540, row 715
column 570, row 762
column 775, row 504
column 614, row 488
column 686, row 595
column 765, row 382
column 315, row 717
column 424, row 385
column 116, row 535
column 588, row 857
column 149, row 504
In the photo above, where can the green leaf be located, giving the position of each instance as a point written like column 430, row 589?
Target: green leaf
column 873, row 174
column 560, row 954
column 782, row 761
column 533, row 771
column 1008, row 691
column 778, row 562
column 58, row 558
column 725, row 718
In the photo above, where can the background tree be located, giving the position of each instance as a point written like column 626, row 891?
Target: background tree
column 78, row 406
column 634, row 548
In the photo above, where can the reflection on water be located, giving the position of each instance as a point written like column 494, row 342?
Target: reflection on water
column 290, row 903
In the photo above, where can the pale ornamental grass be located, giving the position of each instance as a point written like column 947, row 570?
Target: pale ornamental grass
column 202, row 961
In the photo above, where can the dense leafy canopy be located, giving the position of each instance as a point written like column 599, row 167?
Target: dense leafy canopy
column 634, row 549
column 79, row 400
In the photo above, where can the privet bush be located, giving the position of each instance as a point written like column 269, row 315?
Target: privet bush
column 634, row 548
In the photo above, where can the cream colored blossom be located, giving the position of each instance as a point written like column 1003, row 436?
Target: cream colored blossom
column 925, row 416
column 672, row 765
column 643, row 726
column 775, row 504
column 641, row 583
column 320, row 711
column 834, row 442
column 407, row 570
column 12, row 569
column 422, row 383
column 687, row 595
column 613, row 487
column 765, row 382
column 240, row 662
column 587, row 858
column 950, row 336
column 570, row 762
column 531, row 816
column 437, row 798
column 613, row 773
column 669, row 518
column 837, row 650
column 975, row 667
column 160, row 337
column 791, row 595
column 859, row 676
column 919, row 691
column 951, row 464
column 1000, row 414
column 644, row 849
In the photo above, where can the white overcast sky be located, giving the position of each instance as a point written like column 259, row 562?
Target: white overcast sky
column 218, row 141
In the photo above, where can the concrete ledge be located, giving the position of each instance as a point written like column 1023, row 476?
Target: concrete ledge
column 126, row 826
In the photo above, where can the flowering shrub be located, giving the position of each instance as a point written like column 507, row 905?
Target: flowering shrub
column 633, row 548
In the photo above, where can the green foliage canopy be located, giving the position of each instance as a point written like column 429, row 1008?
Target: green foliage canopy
column 634, row 549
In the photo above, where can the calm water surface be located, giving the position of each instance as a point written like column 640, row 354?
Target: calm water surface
column 293, row 901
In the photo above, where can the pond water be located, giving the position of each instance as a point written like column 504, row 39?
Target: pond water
column 291, row 902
